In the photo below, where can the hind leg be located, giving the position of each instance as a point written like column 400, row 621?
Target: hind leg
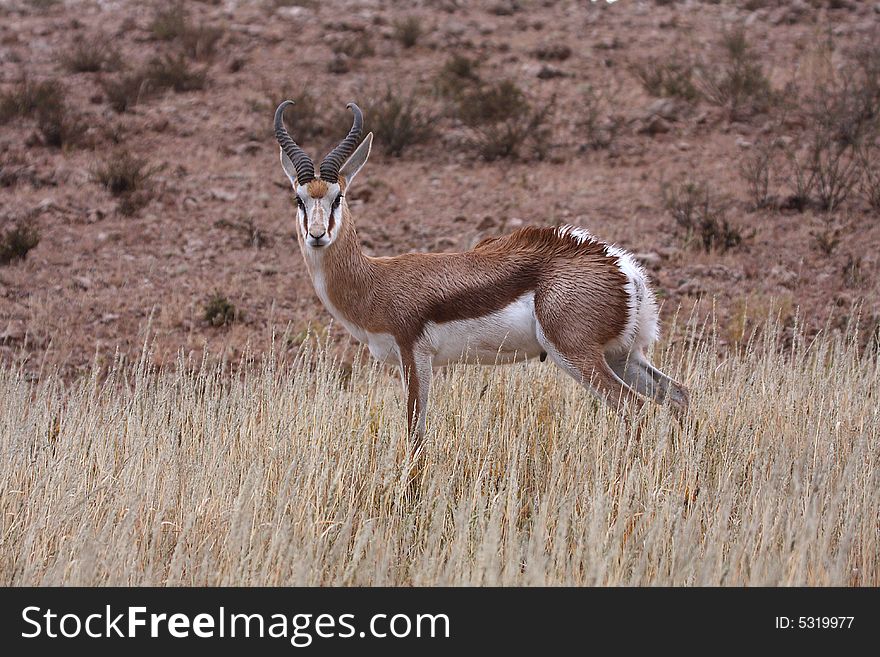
column 593, row 372
column 638, row 372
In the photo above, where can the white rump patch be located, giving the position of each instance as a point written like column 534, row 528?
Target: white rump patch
column 642, row 324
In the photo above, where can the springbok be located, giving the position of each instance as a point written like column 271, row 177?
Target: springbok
column 539, row 291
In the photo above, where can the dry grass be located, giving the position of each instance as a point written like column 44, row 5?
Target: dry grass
column 290, row 472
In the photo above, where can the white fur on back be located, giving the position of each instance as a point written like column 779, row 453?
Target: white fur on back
column 500, row 337
column 642, row 324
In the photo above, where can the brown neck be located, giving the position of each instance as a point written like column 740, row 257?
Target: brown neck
column 348, row 276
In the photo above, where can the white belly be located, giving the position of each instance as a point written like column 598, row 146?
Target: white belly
column 504, row 336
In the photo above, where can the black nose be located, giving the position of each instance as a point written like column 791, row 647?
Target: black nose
column 317, row 237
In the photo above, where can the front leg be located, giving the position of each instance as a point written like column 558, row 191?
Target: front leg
column 416, row 369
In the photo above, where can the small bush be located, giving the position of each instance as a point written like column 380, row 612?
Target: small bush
column 671, row 78
column 854, row 275
column 869, row 160
column 755, row 169
column 127, row 177
column 160, row 73
column 407, row 31
column 59, row 127
column 739, row 83
column 553, row 52
column 503, row 121
column 45, row 101
column 125, row 91
column 701, row 218
column 90, row 56
column 457, row 75
column 219, row 311
column 356, row 47
column 174, row 72
column 16, row 242
column 27, row 96
column 124, row 173
column 339, row 65
column 826, row 167
column 172, row 24
column 827, row 236
column 400, row 121
column 169, row 22
column 840, row 110
column 600, row 123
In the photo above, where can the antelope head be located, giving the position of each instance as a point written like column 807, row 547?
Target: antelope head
column 321, row 214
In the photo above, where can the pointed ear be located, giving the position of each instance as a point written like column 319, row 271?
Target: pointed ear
column 357, row 160
column 289, row 169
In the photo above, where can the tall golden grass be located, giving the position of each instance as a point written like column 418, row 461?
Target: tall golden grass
column 292, row 471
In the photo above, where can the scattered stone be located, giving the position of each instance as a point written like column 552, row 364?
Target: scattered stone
column 783, row 276
column 446, row 244
column 550, row 72
column 487, row 222
column 223, row 195
column 666, row 108
column 654, row 126
column 82, row 282
column 266, row 269
column 293, row 13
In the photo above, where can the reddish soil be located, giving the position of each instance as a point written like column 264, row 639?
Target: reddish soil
column 100, row 281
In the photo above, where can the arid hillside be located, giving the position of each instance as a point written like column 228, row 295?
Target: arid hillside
column 733, row 146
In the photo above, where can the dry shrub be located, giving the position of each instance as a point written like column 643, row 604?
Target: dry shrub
column 128, row 178
column 755, row 168
column 869, row 157
column 458, row 74
column 354, row 46
column 400, row 120
column 828, row 234
column 824, row 168
column 172, row 23
column 503, row 122
column 558, row 52
column 293, row 471
column 126, row 90
column 219, row 310
column 167, row 72
column 601, row 120
column 408, row 31
column 672, row 77
column 45, row 101
column 17, row 240
column 90, row 55
column 27, row 96
column 174, row 72
column 739, row 83
column 700, row 217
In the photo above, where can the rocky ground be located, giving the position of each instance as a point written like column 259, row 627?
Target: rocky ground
column 601, row 148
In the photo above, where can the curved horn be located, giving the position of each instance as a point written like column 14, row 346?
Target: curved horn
column 337, row 157
column 305, row 168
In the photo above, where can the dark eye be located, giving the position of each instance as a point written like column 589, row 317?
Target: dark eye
column 300, row 204
column 336, row 202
